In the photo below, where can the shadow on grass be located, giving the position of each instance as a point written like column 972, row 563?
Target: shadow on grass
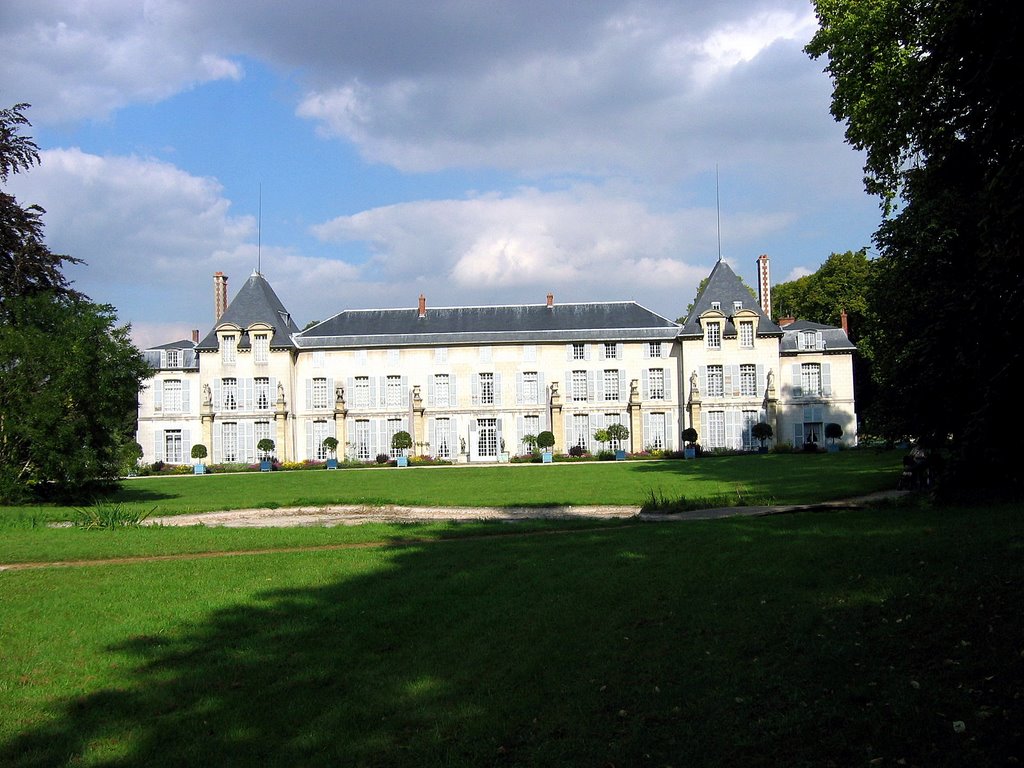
column 708, row 644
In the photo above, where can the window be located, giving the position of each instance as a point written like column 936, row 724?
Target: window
column 487, row 437
column 361, row 392
column 486, row 388
column 319, row 434
column 229, row 441
column 581, row 430
column 654, row 349
column 319, row 358
column 531, row 387
column 485, row 354
column 715, row 437
column 393, row 390
column 656, row 383
column 531, row 426
column 394, row 356
column 173, row 452
column 716, row 305
column 442, row 390
column 609, row 419
column 228, row 346
column 394, row 426
column 810, row 379
column 747, row 421
column 443, row 438
column 362, row 439
column 748, row 380
column 611, row 385
column 260, row 348
column 611, row 351
column 360, row 355
column 173, row 358
column 579, row 386
column 737, row 306
column 716, row 381
column 714, row 336
column 261, row 431
column 320, row 393
column 230, row 395
column 746, row 334
column 441, row 355
column 262, row 387
column 808, row 340
column 656, row 431
column 172, row 396
column 530, row 353
column 579, row 351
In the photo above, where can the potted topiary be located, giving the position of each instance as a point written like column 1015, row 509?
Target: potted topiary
column 618, row 433
column 401, row 441
column 503, row 455
column 762, row 431
column 545, row 441
column 833, row 432
column 199, row 452
column 331, row 446
column 690, row 438
column 266, row 449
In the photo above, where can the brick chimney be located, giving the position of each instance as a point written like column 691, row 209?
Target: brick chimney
column 195, row 335
column 220, row 295
column 786, row 320
column 844, row 321
column 764, row 286
column 551, row 300
column 423, row 305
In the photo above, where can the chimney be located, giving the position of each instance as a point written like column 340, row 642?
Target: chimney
column 551, row 300
column 764, row 286
column 195, row 335
column 423, row 305
column 786, row 320
column 220, row 295
column 845, row 322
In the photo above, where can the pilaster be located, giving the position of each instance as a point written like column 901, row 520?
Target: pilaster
column 636, row 418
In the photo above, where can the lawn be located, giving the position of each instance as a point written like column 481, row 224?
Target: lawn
column 784, row 478
column 890, row 636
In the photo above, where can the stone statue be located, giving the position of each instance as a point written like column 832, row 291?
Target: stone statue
column 339, row 394
column 207, row 395
column 694, row 384
column 280, row 391
column 771, row 379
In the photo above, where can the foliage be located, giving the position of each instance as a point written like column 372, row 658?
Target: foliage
column 106, row 515
column 199, row 451
column 401, row 441
column 618, row 432
column 833, row 431
column 690, row 435
column 131, row 453
column 330, row 445
column 530, row 441
column 577, row 451
column 545, row 439
column 601, row 436
column 265, row 446
column 762, row 431
column 83, row 374
column 928, row 91
column 842, row 282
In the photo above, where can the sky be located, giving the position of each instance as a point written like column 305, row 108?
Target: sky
column 478, row 152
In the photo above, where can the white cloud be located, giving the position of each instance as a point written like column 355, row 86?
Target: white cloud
column 797, row 272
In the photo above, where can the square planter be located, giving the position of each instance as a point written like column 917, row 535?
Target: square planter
column 546, row 457
column 833, row 449
column 332, row 463
column 620, row 455
column 199, row 469
column 266, row 465
column 402, row 461
column 689, row 453
column 503, row 458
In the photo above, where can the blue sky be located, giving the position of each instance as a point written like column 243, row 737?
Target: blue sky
column 476, row 152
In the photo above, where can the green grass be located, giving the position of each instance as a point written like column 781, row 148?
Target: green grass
column 843, row 638
column 789, row 479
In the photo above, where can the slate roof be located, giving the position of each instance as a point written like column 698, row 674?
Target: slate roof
column 183, row 344
column 726, row 288
column 613, row 321
column 255, row 302
column 833, row 339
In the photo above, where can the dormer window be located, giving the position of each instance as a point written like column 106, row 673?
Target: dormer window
column 713, row 336
column 737, row 306
column 228, row 347
column 716, row 305
column 173, row 358
column 260, row 348
column 746, row 334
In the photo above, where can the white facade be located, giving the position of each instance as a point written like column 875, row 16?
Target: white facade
column 469, row 383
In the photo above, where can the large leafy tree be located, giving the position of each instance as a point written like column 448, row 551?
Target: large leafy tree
column 928, row 89
column 69, row 376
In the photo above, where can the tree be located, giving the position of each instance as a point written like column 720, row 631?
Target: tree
column 928, row 91
column 401, row 441
column 69, row 375
column 546, row 440
column 26, row 265
column 618, row 433
column 266, row 447
column 762, row 431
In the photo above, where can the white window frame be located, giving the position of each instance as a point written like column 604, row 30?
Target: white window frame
column 611, row 350
column 443, row 438
column 321, row 397
column 361, row 392
column 229, row 388
column 229, row 441
column 442, row 390
column 748, row 380
column 261, row 389
column 172, row 400
column 581, row 430
column 657, row 431
column 579, row 386
column 654, row 349
column 362, row 434
column 173, row 358
column 487, row 437
column 579, row 351
column 531, row 387
column 486, row 383
column 531, row 426
column 716, row 381
column 228, row 349
column 810, row 379
column 393, row 391
column 174, row 450
column 611, row 384
column 261, row 348
column 713, row 336
column 656, row 384
column 747, row 334
column 715, row 437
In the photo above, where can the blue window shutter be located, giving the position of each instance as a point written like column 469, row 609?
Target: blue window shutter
column 703, row 371
column 798, row 435
column 497, row 389
column 591, row 386
column 309, row 439
column 826, row 379
column 186, row 396
column 330, row 394
column 475, row 383
column 586, row 351
column 158, row 445
column 218, row 396
column 405, row 392
column 568, row 351
column 618, row 351
column 217, row 450
column 798, row 389
column 645, row 391
column 158, row 394
column 186, row 445
column 762, row 382
column 668, row 383
column 519, row 388
column 309, row 394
